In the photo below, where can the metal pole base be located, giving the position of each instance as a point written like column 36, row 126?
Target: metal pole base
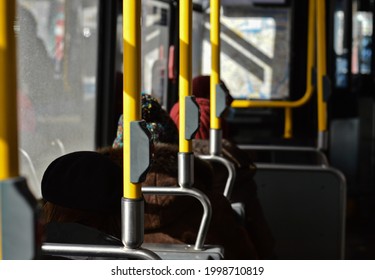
column 132, row 231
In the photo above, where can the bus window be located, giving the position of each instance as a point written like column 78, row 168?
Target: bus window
column 197, row 36
column 57, row 52
column 362, row 42
column 341, row 52
column 352, row 52
column 255, row 52
column 155, row 47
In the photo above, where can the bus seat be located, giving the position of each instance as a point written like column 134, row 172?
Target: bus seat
column 77, row 241
column 19, row 218
column 73, row 198
column 85, row 188
column 164, row 171
column 305, row 208
column 286, row 154
column 172, row 251
column 231, row 171
column 344, row 136
column 74, row 233
column 178, row 216
column 244, row 188
column 244, row 193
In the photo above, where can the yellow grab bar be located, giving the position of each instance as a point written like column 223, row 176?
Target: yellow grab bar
column 321, row 63
column 132, row 85
column 215, row 60
column 185, row 75
column 8, row 93
column 8, row 99
column 288, row 126
column 288, row 105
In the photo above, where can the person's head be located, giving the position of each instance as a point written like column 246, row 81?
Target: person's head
column 86, row 188
column 201, row 90
column 158, row 123
column 204, row 117
column 201, row 86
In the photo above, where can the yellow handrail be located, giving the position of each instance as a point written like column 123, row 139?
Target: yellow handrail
column 8, row 93
column 132, row 85
column 185, row 75
column 321, row 64
column 288, row 105
column 8, row 99
column 215, row 60
column 288, row 126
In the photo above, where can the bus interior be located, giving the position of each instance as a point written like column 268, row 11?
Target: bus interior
column 301, row 74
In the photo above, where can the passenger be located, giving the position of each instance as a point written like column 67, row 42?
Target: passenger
column 201, row 91
column 82, row 192
column 158, row 122
column 36, row 64
column 245, row 189
column 176, row 219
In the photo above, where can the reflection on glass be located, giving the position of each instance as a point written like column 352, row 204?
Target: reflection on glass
column 362, row 41
column 341, row 75
column 155, row 46
column 57, row 51
column 255, row 53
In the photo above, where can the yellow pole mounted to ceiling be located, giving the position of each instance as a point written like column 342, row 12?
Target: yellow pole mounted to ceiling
column 8, row 99
column 185, row 75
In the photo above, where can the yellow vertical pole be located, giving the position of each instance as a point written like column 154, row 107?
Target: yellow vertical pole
column 132, row 85
column 215, row 60
column 288, row 126
column 321, row 64
column 8, row 93
column 185, row 146
column 8, row 98
column 310, row 46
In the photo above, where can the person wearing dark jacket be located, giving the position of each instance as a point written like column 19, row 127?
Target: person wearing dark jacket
column 82, row 191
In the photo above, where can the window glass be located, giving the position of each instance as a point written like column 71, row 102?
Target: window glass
column 155, row 48
column 57, row 55
column 341, row 52
column 255, row 55
column 362, row 41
